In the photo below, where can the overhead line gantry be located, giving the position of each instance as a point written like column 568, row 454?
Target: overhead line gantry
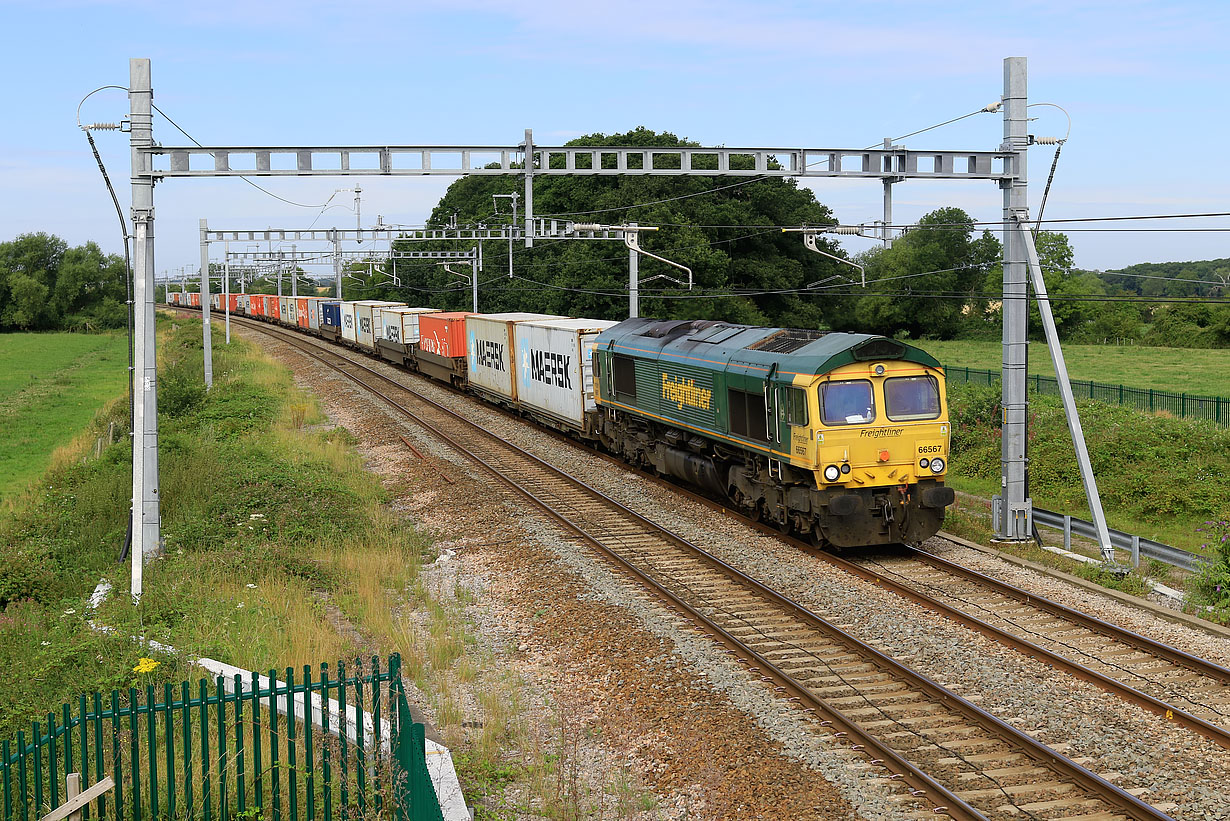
column 890, row 164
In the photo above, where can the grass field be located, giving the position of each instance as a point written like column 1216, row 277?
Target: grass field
column 51, row 385
column 1179, row 370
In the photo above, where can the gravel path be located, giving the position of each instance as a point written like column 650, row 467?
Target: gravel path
column 572, row 617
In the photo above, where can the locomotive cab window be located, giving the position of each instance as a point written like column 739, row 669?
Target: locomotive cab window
column 796, row 407
column 625, row 376
column 910, row 398
column 847, row 403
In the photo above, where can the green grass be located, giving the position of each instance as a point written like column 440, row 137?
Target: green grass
column 51, row 386
column 280, row 548
column 1178, row 370
column 1159, row 477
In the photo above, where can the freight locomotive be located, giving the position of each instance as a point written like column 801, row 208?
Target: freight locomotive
column 841, row 438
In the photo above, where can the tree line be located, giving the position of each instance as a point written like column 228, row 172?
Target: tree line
column 47, row 286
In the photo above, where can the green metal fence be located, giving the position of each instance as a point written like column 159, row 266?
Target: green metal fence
column 336, row 743
column 1185, row 405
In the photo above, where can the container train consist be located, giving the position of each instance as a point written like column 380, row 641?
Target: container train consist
column 842, row 438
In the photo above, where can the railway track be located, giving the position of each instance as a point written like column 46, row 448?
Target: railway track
column 950, row 756
column 1186, row 689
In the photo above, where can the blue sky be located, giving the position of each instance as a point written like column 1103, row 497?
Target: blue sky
column 1143, row 81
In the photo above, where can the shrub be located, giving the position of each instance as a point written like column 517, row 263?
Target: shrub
column 1210, row 586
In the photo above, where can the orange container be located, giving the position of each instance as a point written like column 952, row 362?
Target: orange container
column 444, row 334
column 195, row 300
column 301, row 314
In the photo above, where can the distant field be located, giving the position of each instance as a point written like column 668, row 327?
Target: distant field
column 1179, row 370
column 51, row 385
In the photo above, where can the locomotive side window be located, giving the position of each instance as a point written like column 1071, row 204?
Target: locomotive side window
column 796, row 407
column 747, row 414
column 847, row 403
column 625, row 376
column 908, row 398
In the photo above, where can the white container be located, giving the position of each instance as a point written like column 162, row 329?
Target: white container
column 555, row 371
column 292, row 311
column 284, row 309
column 401, row 325
column 489, row 350
column 348, row 321
column 313, row 307
column 367, row 323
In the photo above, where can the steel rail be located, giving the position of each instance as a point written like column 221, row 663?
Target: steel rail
column 1170, row 712
column 1112, row 794
column 1114, row 631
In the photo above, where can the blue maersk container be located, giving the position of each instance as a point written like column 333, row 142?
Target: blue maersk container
column 331, row 314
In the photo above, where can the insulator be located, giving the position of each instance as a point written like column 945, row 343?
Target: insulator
column 1048, row 141
column 991, row 108
column 843, row 229
column 101, row 127
column 586, row 226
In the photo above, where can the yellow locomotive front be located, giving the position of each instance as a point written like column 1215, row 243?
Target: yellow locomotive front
column 881, row 438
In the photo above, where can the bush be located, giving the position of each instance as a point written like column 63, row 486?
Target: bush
column 1170, row 474
column 1210, row 586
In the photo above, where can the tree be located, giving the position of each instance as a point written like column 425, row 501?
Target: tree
column 923, row 282
column 723, row 228
column 46, row 285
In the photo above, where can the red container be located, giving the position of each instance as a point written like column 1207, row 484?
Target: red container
column 256, row 304
column 234, row 300
column 443, row 334
column 195, row 300
column 271, row 308
column 301, row 314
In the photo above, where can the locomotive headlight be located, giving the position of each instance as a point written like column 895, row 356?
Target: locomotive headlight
column 832, row 473
column 924, row 463
column 937, row 465
column 845, row 467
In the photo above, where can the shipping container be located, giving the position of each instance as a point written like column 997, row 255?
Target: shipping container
column 348, row 321
column 301, row 310
column 441, row 350
column 256, row 305
column 290, row 311
column 194, row 299
column 443, row 334
column 554, row 367
column 331, row 314
column 313, row 313
column 271, row 307
column 401, row 325
column 489, row 347
column 367, row 321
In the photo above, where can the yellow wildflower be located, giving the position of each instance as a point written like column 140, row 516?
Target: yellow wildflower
column 145, row 665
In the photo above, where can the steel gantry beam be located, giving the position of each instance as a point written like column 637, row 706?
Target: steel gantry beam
column 895, row 163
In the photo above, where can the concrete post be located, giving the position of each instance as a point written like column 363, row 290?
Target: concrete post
column 145, row 507
column 529, row 188
column 1012, row 506
column 206, row 329
column 226, row 287
column 634, row 280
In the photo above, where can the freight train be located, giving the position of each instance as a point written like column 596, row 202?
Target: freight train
column 840, row 438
